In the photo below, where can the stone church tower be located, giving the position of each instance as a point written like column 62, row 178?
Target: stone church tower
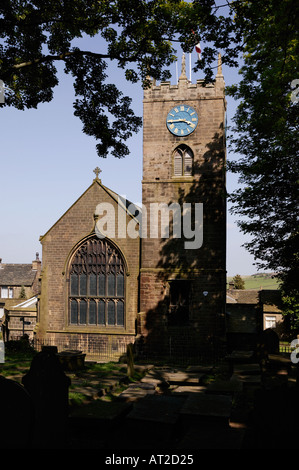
column 183, row 277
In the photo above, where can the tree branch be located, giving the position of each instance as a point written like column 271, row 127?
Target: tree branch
column 59, row 57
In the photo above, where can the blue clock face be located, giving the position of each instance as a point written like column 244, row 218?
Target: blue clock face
column 182, row 120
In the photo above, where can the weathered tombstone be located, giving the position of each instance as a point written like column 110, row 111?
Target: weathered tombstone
column 71, row 360
column 130, row 360
column 17, row 415
column 50, row 349
column 48, row 387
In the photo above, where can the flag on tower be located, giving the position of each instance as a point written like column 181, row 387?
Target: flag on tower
column 198, row 50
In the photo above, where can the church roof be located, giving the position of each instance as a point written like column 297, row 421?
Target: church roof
column 129, row 206
column 132, row 209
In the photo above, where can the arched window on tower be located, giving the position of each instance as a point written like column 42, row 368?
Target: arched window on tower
column 97, row 285
column 182, row 161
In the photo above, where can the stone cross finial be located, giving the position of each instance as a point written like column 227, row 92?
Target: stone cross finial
column 97, row 171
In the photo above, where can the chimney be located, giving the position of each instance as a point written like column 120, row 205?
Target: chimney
column 36, row 263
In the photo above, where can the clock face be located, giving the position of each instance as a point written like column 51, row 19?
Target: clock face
column 182, row 120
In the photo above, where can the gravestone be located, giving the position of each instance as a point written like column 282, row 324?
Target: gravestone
column 48, row 387
column 71, row 360
column 130, row 360
column 17, row 415
column 50, row 349
column 268, row 343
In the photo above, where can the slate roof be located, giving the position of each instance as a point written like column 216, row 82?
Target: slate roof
column 242, row 296
column 17, row 275
column 269, row 298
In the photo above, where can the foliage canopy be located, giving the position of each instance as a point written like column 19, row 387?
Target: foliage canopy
column 139, row 35
column 266, row 141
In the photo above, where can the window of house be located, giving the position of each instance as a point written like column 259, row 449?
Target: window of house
column 270, row 321
column 182, row 161
column 97, row 285
column 6, row 292
column 179, row 295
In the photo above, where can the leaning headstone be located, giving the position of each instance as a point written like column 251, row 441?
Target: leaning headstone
column 17, row 415
column 130, row 361
column 48, row 387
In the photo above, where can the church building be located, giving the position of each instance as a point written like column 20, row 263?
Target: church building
column 114, row 273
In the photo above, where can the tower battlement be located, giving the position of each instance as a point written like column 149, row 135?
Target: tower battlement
column 185, row 89
column 198, row 90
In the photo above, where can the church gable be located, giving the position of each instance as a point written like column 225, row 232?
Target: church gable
column 86, row 274
column 80, row 216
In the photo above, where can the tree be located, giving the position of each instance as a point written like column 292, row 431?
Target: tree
column 138, row 35
column 22, row 293
column 238, row 282
column 266, row 138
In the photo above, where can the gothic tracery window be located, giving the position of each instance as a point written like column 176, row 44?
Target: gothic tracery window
column 183, row 161
column 97, row 285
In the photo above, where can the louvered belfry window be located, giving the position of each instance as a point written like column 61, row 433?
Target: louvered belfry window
column 183, row 161
column 97, row 287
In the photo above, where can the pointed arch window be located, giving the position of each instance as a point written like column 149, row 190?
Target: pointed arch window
column 97, row 285
column 183, row 161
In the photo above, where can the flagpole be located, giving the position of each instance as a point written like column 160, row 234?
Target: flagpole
column 190, row 67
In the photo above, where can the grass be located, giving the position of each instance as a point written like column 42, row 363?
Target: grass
column 77, row 398
column 84, row 382
column 258, row 281
column 16, row 364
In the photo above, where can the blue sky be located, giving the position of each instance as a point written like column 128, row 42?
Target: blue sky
column 47, row 163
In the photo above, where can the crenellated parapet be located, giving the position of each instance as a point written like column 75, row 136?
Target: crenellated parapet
column 197, row 91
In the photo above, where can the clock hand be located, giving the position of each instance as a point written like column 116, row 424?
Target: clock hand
column 189, row 123
column 177, row 120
